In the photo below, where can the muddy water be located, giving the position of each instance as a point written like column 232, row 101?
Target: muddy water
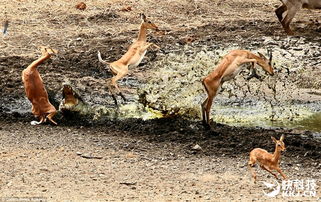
column 305, row 117
column 312, row 122
column 298, row 116
column 175, row 89
column 284, row 100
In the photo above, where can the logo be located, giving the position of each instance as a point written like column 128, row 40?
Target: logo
column 276, row 188
column 292, row 188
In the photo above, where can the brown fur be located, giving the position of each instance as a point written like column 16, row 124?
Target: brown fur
column 267, row 161
column 35, row 89
column 132, row 57
column 227, row 69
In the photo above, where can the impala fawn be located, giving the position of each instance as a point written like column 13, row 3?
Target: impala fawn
column 132, row 57
column 290, row 8
column 228, row 68
column 36, row 91
column 267, row 161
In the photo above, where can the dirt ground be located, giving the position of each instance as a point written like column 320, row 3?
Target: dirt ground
column 132, row 159
column 144, row 161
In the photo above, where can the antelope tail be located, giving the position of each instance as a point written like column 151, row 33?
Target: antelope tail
column 100, row 59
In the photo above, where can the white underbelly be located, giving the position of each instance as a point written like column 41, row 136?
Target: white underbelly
column 232, row 75
column 139, row 60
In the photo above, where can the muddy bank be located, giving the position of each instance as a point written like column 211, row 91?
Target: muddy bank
column 169, row 78
column 220, row 140
column 169, row 85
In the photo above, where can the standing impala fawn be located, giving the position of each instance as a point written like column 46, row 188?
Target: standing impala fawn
column 35, row 90
column 266, row 160
column 132, row 57
column 290, row 7
column 227, row 69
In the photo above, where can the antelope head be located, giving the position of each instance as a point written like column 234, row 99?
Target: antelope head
column 279, row 143
column 147, row 24
column 267, row 63
column 46, row 50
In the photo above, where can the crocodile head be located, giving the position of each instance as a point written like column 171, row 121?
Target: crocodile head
column 70, row 97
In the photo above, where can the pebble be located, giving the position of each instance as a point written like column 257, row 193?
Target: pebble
column 197, row 147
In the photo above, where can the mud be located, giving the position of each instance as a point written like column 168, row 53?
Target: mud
column 144, row 158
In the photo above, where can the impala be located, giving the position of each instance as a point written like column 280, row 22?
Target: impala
column 36, row 91
column 289, row 8
column 267, row 161
column 227, row 69
column 131, row 58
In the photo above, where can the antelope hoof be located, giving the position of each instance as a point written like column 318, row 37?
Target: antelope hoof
column 206, row 125
column 289, row 32
column 204, row 122
column 52, row 121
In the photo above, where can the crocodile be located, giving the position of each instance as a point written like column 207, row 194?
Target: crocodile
column 72, row 102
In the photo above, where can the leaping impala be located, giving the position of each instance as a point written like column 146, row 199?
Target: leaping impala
column 267, row 161
column 132, row 57
column 287, row 11
column 36, row 91
column 226, row 70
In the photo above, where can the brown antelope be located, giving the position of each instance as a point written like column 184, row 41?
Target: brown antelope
column 266, row 160
column 35, row 89
column 287, row 11
column 132, row 57
column 226, row 70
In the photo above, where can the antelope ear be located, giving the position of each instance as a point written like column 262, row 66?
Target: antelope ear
column 270, row 54
column 282, row 138
column 274, row 140
column 143, row 17
column 52, row 51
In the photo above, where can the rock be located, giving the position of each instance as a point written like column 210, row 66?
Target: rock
column 197, row 147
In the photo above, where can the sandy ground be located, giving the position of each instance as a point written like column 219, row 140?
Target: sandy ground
column 142, row 163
